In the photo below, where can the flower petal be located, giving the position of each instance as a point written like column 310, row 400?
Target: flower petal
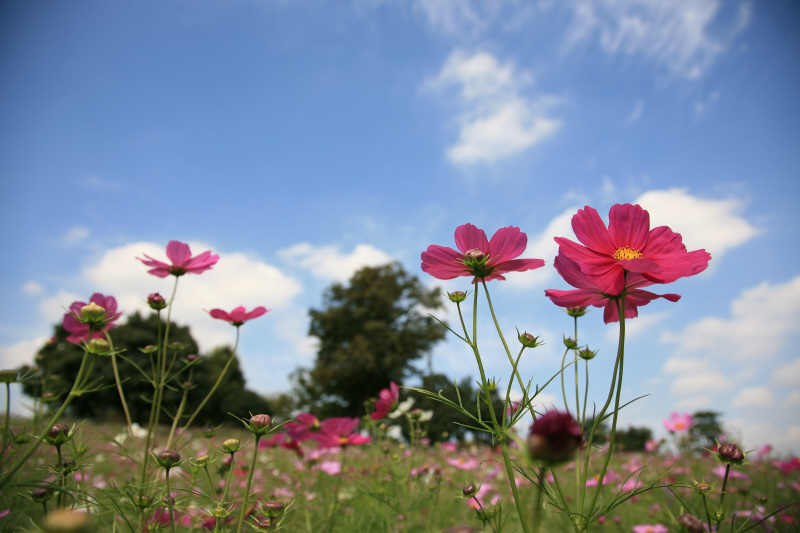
column 443, row 263
column 256, row 312
column 469, row 237
column 576, row 298
column 591, row 231
column 179, row 253
column 628, row 226
column 220, row 314
column 517, row 265
column 507, row 243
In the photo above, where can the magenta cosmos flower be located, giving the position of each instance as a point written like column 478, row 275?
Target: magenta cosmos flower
column 588, row 293
column 305, row 428
column 479, row 257
column 386, row 401
column 78, row 330
column 628, row 245
column 334, row 432
column 180, row 255
column 554, row 436
column 238, row 315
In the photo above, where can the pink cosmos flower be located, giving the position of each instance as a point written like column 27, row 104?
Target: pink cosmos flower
column 628, row 245
column 479, row 257
column 589, row 293
column 678, row 422
column 386, row 401
column 335, row 432
column 463, row 464
column 719, row 470
column 646, row 528
column 305, row 428
column 80, row 331
column 180, row 255
column 482, row 498
column 652, row 445
column 238, row 315
column 764, row 450
column 332, row 468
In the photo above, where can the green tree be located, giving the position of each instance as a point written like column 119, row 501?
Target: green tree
column 634, row 438
column 370, row 331
column 705, row 429
column 57, row 363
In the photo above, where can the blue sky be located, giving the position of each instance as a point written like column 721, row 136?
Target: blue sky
column 302, row 140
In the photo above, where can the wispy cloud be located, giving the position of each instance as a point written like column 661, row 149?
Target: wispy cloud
column 32, row 288
column 74, row 235
column 329, row 263
column 675, row 34
column 496, row 119
column 636, row 112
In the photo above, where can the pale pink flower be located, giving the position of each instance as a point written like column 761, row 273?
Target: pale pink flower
column 719, row 470
column 646, row 528
column 180, row 255
column 463, row 464
column 331, row 468
column 678, row 422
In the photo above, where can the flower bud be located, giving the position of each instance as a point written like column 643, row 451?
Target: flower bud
column 576, row 311
column 554, row 437
column 570, row 343
column 469, row 490
column 702, row 487
column 528, row 340
column 48, row 397
column 259, row 424
column 691, row 523
column 220, row 512
column 98, row 347
column 8, row 376
column 93, row 314
column 273, row 509
column 192, row 357
column 67, row 521
column 586, row 354
column 230, row 445
column 168, row 458
column 475, row 260
column 156, row 301
column 730, row 453
column 41, row 494
column 148, row 349
column 457, row 296
column 58, row 434
column 201, row 460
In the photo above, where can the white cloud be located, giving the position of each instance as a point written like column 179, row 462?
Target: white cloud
column 715, row 225
column 760, row 324
column 701, row 105
column 74, row 235
column 329, row 263
column 754, row 432
column 469, row 19
column 709, row 380
column 495, row 120
column 753, row 397
column 543, row 247
column 675, row 34
column 52, row 308
column 793, row 400
column 451, row 16
column 636, row 326
column 32, row 288
column 636, row 112
column 291, row 325
column 694, row 403
column 237, row 279
column 20, row 353
column 788, row 374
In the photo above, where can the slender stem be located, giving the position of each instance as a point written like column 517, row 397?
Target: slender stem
column 162, row 356
column 461, row 318
column 216, row 383
column 77, row 385
column 502, row 338
column 722, row 494
column 210, row 483
column 247, row 489
column 563, row 385
column 6, row 429
column 119, row 384
column 170, row 505
column 585, row 390
column 577, row 388
column 60, row 466
column 153, row 407
column 708, row 514
column 612, row 437
column 537, row 511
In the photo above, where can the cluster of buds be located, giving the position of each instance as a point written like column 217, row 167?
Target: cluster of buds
column 554, row 437
column 730, row 454
column 156, row 301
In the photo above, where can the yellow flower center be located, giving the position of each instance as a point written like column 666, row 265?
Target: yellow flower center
column 625, row 253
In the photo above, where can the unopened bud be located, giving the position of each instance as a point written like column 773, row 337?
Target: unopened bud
column 570, row 343
column 469, row 490
column 48, row 397
column 730, row 453
column 260, row 423
column 230, row 445
column 156, row 301
column 98, row 347
column 273, row 509
column 587, row 354
column 93, row 314
column 528, row 340
column 576, row 311
column 457, row 296
column 554, row 437
column 691, row 523
column 201, row 459
column 702, row 487
column 168, row 458
column 192, row 357
column 148, row 349
column 58, row 434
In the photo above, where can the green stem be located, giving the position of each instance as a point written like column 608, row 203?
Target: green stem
column 463, row 326
column 170, row 505
column 77, row 385
column 6, row 428
column 216, row 383
column 585, row 390
column 119, row 384
column 153, row 406
column 475, row 336
column 61, row 480
column 563, row 384
column 162, row 356
column 247, row 488
column 722, row 495
column 502, row 338
column 537, row 511
column 612, row 437
column 210, row 483
column 179, row 413
column 577, row 388
column 228, row 480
